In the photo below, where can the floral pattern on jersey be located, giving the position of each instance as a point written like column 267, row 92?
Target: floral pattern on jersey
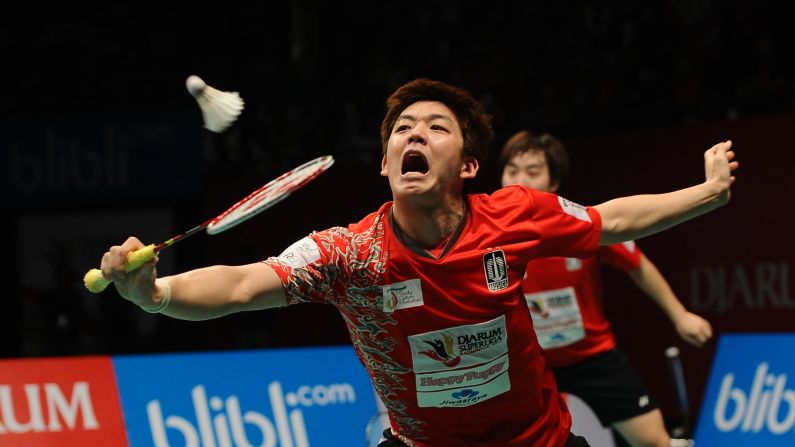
column 350, row 276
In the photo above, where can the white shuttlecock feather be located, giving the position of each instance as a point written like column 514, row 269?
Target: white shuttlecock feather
column 219, row 109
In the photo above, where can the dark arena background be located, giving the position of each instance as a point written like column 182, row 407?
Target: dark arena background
column 100, row 140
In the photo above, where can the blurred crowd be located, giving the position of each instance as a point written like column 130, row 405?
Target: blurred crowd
column 315, row 75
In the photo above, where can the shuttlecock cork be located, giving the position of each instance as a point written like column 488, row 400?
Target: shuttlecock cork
column 219, row 109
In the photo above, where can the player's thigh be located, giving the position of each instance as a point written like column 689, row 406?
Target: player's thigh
column 645, row 430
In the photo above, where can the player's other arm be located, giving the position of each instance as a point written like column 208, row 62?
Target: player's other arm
column 691, row 327
column 200, row 294
column 634, row 217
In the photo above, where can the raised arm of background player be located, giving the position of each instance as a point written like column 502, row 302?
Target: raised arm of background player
column 690, row 327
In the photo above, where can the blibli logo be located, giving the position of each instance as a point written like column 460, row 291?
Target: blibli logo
column 220, row 422
column 766, row 405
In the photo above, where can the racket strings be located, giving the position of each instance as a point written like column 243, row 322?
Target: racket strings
column 270, row 191
column 270, row 194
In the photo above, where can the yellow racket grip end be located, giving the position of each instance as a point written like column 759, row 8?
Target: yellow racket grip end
column 95, row 282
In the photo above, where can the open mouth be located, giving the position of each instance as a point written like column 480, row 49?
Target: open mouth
column 414, row 162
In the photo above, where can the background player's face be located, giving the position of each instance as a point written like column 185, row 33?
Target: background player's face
column 530, row 169
column 425, row 152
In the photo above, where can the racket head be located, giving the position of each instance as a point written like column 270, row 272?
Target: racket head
column 270, row 194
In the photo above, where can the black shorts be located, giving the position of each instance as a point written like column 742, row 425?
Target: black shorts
column 609, row 385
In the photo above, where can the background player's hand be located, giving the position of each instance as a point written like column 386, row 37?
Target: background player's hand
column 719, row 164
column 136, row 286
column 693, row 329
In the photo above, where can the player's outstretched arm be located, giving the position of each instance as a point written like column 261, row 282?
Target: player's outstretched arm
column 199, row 294
column 691, row 327
column 634, row 217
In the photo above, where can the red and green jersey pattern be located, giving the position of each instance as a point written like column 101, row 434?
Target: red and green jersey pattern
column 565, row 297
column 449, row 342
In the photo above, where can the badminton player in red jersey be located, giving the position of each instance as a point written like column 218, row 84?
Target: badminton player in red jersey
column 565, row 297
column 429, row 285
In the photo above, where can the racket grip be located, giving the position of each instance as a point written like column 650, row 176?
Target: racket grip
column 95, row 282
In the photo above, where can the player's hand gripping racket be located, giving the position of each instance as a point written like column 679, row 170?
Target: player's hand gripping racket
column 256, row 202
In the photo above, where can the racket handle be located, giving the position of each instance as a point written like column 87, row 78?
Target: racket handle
column 96, row 283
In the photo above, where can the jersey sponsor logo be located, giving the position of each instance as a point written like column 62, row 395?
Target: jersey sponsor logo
column 402, row 295
column 573, row 264
column 462, row 378
column 443, row 351
column 537, row 307
column 556, row 315
column 460, row 346
column 465, row 364
column 496, row 268
column 574, row 209
column 457, row 397
column 301, row 253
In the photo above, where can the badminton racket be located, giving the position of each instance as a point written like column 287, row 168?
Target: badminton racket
column 258, row 201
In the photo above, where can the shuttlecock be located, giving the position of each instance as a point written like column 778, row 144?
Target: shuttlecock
column 219, row 109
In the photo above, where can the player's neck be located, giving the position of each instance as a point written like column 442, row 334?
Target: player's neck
column 428, row 226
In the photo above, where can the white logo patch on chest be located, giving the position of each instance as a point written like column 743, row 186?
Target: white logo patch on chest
column 402, row 295
column 461, row 366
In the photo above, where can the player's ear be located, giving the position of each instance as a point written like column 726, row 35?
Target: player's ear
column 383, row 166
column 470, row 168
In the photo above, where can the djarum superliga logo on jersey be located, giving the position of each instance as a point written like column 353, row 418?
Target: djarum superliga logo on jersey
column 466, row 365
column 750, row 398
column 244, row 399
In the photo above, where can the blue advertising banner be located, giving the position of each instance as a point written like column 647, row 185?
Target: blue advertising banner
column 92, row 158
column 284, row 398
column 748, row 401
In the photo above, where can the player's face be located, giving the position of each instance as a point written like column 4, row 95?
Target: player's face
column 530, row 169
column 425, row 152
